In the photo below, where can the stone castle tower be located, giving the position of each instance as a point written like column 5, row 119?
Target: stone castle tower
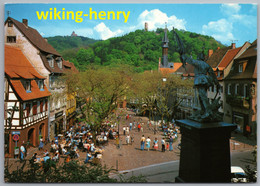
column 146, row 26
column 74, row 34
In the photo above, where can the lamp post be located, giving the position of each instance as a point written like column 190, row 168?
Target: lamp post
column 118, row 117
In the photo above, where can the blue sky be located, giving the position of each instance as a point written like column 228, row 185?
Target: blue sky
column 224, row 22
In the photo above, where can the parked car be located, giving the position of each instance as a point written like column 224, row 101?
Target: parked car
column 238, row 175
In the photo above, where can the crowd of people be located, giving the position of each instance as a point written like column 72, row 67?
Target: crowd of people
column 80, row 138
column 170, row 134
column 166, row 143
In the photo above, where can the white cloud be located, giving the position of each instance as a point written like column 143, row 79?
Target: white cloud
column 221, row 30
column 156, row 19
column 230, row 9
column 104, row 32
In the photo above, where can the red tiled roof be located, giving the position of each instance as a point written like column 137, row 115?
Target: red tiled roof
column 73, row 68
column 35, row 91
column 18, row 66
column 54, row 69
column 217, row 56
column 69, row 66
column 170, row 70
column 250, row 71
column 229, row 57
column 34, row 37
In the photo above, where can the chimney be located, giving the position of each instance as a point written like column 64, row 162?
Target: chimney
column 210, row 52
column 25, row 22
column 233, row 45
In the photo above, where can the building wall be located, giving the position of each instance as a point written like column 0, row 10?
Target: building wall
column 30, row 51
column 22, row 124
column 57, row 104
column 26, row 135
column 245, row 113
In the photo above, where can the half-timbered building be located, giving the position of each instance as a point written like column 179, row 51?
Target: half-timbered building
column 26, row 102
column 49, row 63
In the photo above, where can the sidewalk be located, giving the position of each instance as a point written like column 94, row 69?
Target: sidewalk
column 240, row 143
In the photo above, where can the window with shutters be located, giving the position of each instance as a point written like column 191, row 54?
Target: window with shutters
column 41, row 106
column 28, row 109
column 34, row 108
column 46, row 105
column 236, row 89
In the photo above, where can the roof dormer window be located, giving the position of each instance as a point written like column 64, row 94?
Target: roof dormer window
column 240, row 68
column 59, row 62
column 50, row 60
column 27, row 85
column 40, row 84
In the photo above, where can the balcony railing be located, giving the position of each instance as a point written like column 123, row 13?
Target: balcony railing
column 238, row 101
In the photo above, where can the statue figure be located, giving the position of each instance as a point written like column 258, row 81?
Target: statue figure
column 204, row 78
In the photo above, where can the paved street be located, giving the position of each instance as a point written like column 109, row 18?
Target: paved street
column 166, row 172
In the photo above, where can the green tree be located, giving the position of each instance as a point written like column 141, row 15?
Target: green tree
column 71, row 172
column 85, row 56
column 101, row 89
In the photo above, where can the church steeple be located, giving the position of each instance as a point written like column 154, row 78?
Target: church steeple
column 165, row 47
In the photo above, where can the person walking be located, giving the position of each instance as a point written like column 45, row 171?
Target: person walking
column 130, row 126
column 117, row 142
column 148, row 143
column 127, row 139
column 41, row 144
column 22, row 152
column 155, row 144
column 124, row 130
column 139, row 127
column 132, row 140
column 127, row 130
column 170, row 143
column 163, row 145
column 142, row 142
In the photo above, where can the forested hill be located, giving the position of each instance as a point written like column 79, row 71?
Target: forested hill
column 66, row 43
column 139, row 49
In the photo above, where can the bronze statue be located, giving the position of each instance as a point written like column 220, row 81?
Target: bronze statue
column 204, row 78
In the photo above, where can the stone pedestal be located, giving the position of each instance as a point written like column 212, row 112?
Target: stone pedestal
column 205, row 152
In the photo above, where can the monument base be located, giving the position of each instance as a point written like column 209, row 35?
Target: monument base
column 205, row 152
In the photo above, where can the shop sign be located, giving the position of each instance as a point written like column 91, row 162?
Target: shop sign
column 16, row 151
column 16, row 132
column 58, row 114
